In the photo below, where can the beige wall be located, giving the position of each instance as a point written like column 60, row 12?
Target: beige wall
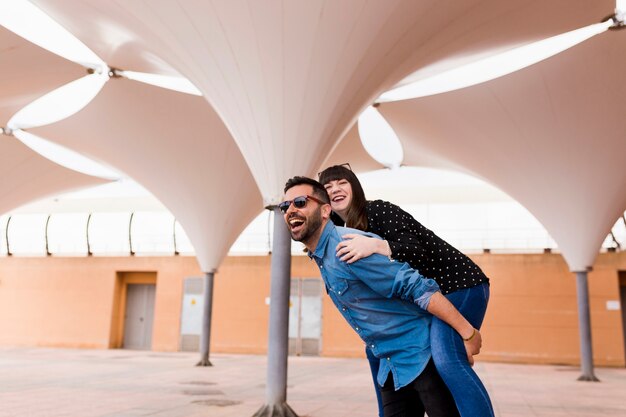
column 533, row 315
column 75, row 302
column 70, row 302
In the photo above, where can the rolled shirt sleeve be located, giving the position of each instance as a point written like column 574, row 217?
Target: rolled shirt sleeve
column 394, row 279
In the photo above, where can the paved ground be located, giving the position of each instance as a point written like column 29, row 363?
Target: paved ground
column 119, row 383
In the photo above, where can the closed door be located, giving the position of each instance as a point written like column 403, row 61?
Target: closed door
column 191, row 315
column 305, row 316
column 139, row 316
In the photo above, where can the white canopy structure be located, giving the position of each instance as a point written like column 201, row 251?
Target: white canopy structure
column 350, row 150
column 551, row 135
column 174, row 145
column 287, row 79
column 28, row 72
column 26, row 176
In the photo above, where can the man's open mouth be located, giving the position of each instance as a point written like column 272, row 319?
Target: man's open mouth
column 295, row 223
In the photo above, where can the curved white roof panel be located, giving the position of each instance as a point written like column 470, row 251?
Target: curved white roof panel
column 26, row 176
column 551, row 135
column 177, row 147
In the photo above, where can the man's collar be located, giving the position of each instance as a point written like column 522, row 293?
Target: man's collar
column 322, row 243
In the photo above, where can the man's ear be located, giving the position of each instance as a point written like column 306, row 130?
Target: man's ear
column 326, row 210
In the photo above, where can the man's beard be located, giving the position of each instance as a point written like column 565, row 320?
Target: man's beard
column 311, row 224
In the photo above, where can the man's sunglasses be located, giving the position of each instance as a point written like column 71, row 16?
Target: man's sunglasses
column 298, row 202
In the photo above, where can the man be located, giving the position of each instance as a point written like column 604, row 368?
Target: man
column 387, row 303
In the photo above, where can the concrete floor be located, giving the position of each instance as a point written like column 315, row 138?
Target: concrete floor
column 43, row 382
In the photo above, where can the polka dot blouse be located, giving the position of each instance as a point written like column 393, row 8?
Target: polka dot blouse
column 413, row 243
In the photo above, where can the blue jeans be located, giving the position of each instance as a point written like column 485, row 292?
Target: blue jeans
column 374, row 365
column 450, row 358
column 449, row 355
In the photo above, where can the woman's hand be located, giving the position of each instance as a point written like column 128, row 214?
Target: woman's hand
column 472, row 346
column 474, row 343
column 440, row 307
column 355, row 247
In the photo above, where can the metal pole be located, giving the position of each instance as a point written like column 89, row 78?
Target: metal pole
column 130, row 233
column 6, row 231
column 269, row 235
column 278, row 345
column 300, row 283
column 174, row 239
column 48, row 253
column 584, row 326
column 89, row 253
column 205, row 337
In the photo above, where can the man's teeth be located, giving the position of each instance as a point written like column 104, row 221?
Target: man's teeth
column 295, row 222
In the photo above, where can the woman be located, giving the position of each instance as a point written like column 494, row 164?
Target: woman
column 406, row 240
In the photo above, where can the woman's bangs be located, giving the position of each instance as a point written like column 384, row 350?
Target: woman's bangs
column 333, row 173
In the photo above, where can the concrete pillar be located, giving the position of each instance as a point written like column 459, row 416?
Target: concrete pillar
column 584, row 326
column 205, row 337
column 278, row 345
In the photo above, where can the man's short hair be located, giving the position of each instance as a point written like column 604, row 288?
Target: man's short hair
column 318, row 189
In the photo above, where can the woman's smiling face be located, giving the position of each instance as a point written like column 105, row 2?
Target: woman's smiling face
column 340, row 193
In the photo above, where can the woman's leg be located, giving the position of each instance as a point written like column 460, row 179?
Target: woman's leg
column 374, row 365
column 450, row 357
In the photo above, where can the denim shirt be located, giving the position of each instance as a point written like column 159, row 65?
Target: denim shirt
column 383, row 301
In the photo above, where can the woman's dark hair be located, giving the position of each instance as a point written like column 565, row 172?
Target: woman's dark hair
column 356, row 216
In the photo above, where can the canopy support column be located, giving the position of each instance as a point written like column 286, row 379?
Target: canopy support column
column 584, row 326
column 205, row 337
column 278, row 345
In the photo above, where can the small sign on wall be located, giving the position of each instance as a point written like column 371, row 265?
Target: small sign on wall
column 612, row 305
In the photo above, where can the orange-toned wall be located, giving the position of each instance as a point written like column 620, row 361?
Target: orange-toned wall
column 532, row 316
column 240, row 314
column 69, row 302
